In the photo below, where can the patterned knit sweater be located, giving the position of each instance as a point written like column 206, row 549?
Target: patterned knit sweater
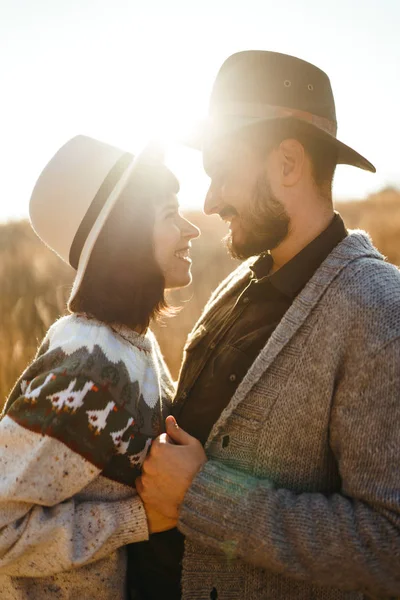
column 73, row 436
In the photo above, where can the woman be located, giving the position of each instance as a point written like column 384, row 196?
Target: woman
column 78, row 424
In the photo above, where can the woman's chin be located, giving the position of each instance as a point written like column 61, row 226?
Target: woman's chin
column 178, row 281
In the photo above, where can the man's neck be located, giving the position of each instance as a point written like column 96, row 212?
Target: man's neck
column 303, row 230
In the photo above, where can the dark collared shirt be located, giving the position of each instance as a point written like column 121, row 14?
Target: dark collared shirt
column 216, row 362
column 235, row 333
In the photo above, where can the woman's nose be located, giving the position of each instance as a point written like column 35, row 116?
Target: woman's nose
column 191, row 231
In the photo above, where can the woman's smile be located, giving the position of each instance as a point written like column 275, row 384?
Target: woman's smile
column 184, row 255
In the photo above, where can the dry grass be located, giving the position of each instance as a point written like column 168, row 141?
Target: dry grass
column 35, row 284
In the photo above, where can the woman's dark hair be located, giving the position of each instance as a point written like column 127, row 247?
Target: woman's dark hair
column 123, row 283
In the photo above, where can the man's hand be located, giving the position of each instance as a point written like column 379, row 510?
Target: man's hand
column 157, row 522
column 169, row 469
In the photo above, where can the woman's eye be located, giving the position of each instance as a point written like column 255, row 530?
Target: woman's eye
column 220, row 177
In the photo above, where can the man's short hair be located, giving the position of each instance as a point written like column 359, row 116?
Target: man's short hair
column 323, row 155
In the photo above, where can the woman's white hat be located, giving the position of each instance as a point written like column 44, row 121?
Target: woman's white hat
column 74, row 196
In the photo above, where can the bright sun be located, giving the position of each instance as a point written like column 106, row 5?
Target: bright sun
column 185, row 162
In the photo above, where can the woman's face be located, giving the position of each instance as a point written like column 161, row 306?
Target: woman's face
column 172, row 241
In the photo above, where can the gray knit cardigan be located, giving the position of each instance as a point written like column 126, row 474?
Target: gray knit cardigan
column 300, row 497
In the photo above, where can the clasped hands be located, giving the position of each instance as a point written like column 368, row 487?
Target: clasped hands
column 174, row 460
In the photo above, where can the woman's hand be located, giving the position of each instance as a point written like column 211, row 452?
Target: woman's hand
column 157, row 522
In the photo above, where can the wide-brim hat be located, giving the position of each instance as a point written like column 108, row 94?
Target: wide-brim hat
column 75, row 194
column 254, row 87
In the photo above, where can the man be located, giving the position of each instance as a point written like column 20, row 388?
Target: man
column 291, row 377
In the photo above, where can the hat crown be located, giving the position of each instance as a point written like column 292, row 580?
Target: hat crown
column 273, row 79
column 259, row 87
column 66, row 189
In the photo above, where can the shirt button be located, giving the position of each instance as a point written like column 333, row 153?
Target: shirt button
column 225, row 441
column 212, row 345
column 183, row 395
column 232, row 377
column 246, row 300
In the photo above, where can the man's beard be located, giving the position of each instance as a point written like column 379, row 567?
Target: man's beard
column 264, row 223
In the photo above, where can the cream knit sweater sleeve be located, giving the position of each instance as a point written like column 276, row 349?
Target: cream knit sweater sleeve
column 43, row 528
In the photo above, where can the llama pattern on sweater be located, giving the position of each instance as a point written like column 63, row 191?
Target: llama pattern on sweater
column 97, row 390
column 69, row 399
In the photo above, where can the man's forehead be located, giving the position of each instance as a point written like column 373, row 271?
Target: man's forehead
column 218, row 154
column 230, row 149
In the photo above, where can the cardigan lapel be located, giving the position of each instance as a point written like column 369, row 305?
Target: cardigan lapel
column 355, row 246
column 227, row 288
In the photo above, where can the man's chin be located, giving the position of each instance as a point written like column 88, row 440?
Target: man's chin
column 243, row 249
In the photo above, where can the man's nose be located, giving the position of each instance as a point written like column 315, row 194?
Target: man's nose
column 212, row 202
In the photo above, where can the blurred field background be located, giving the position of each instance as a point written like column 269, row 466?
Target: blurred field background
column 34, row 283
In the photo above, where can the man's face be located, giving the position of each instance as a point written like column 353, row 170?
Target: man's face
column 241, row 193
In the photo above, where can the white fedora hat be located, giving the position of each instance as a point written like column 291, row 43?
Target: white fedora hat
column 74, row 195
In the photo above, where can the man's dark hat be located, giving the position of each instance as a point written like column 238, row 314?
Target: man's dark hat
column 258, row 86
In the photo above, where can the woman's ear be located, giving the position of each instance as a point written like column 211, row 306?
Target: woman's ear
column 292, row 158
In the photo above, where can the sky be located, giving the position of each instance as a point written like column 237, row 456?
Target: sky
column 125, row 71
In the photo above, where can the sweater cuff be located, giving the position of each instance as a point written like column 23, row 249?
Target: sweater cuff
column 216, row 507
column 132, row 520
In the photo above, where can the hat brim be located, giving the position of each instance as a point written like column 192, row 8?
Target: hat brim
column 102, row 218
column 208, row 130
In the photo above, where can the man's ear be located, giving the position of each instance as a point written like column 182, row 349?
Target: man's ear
column 292, row 158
